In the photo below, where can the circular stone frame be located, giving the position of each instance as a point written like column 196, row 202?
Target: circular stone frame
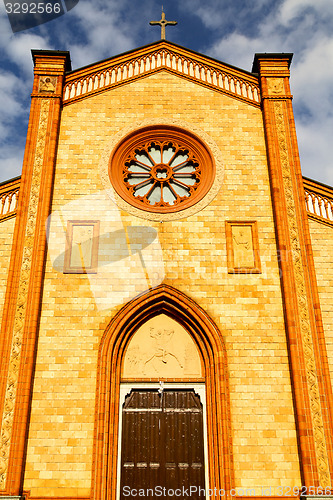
column 151, row 123
column 204, row 172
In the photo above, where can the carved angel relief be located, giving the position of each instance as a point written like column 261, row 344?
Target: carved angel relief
column 47, row 84
column 161, row 348
column 275, row 86
column 163, row 353
column 242, row 247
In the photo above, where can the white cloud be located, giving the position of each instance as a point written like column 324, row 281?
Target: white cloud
column 19, row 50
column 104, row 31
column 299, row 26
column 10, row 87
column 313, row 77
column 11, row 159
column 315, row 139
column 293, row 8
column 5, row 30
column 98, row 31
column 11, row 151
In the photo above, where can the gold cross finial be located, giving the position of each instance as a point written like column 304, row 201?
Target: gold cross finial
column 163, row 23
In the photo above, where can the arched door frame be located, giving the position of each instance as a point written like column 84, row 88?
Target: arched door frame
column 161, row 300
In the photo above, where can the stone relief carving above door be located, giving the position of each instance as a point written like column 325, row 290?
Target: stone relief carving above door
column 161, row 348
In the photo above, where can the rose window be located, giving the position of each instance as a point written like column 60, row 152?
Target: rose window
column 161, row 169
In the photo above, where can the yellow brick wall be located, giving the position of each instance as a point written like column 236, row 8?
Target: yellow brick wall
column 191, row 256
column 6, row 240
column 322, row 244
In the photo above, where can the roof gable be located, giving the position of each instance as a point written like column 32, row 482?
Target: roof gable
column 159, row 56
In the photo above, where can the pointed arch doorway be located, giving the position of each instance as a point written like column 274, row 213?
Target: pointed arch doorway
column 121, row 362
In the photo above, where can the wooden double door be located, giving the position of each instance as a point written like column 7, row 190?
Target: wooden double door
column 162, row 443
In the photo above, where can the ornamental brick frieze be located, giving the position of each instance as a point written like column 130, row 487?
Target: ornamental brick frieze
column 319, row 202
column 215, row 76
column 9, row 193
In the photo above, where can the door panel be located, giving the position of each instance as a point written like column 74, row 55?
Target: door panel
column 162, row 440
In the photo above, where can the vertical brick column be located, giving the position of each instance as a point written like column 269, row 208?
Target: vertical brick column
column 308, row 358
column 19, row 329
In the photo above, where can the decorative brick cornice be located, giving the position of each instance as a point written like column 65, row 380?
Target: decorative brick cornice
column 319, row 201
column 156, row 57
column 277, row 63
column 8, row 198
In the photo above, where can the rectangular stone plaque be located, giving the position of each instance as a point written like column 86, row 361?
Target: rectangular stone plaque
column 242, row 247
column 81, row 255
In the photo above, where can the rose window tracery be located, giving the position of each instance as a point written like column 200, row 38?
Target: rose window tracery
column 162, row 173
column 161, row 169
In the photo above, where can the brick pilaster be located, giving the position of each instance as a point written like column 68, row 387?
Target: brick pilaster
column 19, row 329
column 308, row 358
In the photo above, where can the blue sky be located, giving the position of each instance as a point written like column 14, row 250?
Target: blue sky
column 229, row 30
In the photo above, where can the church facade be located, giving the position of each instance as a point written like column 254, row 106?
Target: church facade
column 165, row 286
